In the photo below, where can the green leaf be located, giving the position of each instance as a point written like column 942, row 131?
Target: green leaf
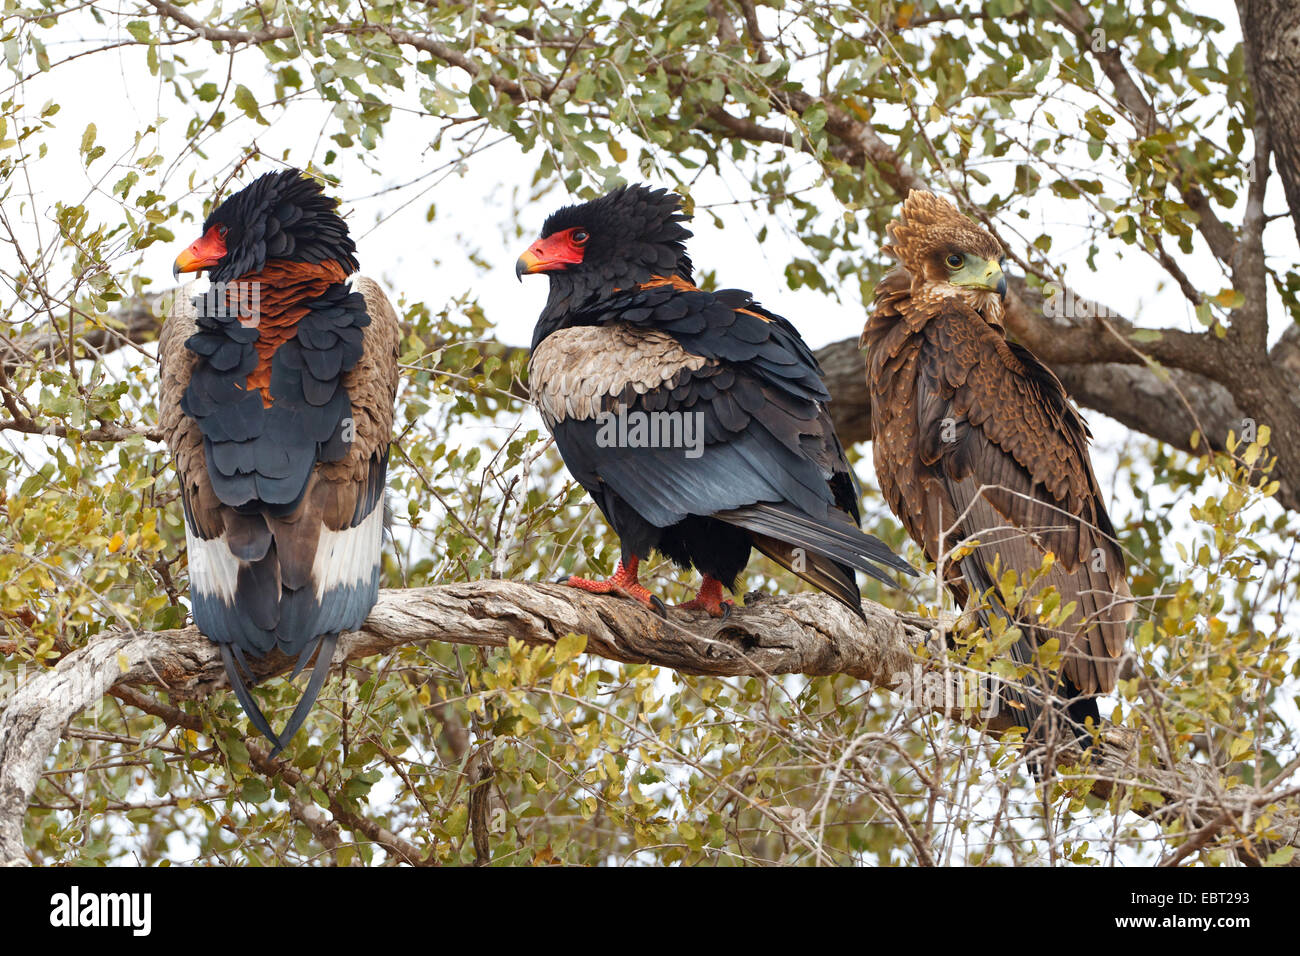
column 255, row 790
column 246, row 101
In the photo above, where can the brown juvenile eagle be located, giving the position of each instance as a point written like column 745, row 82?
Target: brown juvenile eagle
column 975, row 440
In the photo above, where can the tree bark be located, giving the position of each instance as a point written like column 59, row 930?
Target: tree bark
column 1271, row 30
column 805, row 633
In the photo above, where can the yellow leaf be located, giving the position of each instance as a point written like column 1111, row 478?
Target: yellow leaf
column 569, row 646
column 1230, row 299
column 115, row 543
column 1240, row 746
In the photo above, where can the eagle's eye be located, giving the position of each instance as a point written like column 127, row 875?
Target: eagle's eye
column 955, row 260
column 581, row 236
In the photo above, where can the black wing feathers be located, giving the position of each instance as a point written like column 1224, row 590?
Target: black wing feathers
column 770, row 463
column 260, row 462
column 263, row 456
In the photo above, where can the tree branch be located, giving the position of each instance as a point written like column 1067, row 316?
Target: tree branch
column 804, row 633
column 442, row 51
column 1146, row 121
column 1271, row 31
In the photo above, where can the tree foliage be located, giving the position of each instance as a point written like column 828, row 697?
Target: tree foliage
column 1136, row 127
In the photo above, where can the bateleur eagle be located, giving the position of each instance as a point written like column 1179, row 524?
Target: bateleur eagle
column 976, row 442
column 695, row 420
column 277, row 403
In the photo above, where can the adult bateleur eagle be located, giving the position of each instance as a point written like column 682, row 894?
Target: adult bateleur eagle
column 277, row 403
column 695, row 420
column 976, row 444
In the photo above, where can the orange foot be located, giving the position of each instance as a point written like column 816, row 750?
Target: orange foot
column 623, row 581
column 709, row 598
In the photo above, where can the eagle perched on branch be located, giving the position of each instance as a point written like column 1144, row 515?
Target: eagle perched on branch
column 277, row 403
column 696, row 420
column 984, row 459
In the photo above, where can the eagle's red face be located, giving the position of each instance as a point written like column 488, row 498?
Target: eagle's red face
column 204, row 252
column 282, row 216
column 554, row 252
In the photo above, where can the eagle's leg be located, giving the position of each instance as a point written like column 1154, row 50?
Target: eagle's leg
column 624, row 581
column 709, row 598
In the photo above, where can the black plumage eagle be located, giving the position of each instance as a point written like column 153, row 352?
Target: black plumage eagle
column 277, row 403
column 696, row 420
column 984, row 459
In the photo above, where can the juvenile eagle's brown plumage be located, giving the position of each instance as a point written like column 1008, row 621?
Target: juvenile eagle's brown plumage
column 975, row 439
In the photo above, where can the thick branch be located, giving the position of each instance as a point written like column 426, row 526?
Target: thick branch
column 135, row 323
column 1271, row 29
column 800, row 633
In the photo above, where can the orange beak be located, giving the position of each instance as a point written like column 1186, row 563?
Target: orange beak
column 529, row 263
column 202, row 253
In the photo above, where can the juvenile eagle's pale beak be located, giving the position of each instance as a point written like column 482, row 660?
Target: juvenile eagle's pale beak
column 983, row 274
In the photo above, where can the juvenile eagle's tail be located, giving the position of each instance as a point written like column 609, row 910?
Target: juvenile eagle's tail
column 1043, row 702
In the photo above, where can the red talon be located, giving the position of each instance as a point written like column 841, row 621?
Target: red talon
column 709, row 598
column 624, row 581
